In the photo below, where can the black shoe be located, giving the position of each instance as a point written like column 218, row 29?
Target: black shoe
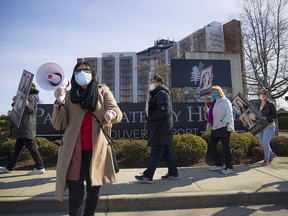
column 144, row 179
column 169, row 177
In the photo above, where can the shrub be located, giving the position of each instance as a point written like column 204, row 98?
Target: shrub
column 255, row 150
column 189, row 149
column 206, row 136
column 48, row 151
column 132, row 153
column 279, row 145
column 5, row 124
column 283, row 121
column 7, row 150
column 258, row 153
column 240, row 142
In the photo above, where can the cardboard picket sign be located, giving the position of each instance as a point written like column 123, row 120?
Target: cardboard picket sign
column 248, row 114
column 21, row 97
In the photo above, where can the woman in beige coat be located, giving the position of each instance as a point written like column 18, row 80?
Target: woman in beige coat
column 84, row 154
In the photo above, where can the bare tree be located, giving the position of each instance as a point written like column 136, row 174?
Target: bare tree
column 265, row 42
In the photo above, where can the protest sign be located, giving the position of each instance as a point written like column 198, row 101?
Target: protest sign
column 248, row 114
column 21, row 97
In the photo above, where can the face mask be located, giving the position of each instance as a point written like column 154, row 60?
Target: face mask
column 152, row 86
column 263, row 97
column 214, row 96
column 83, row 78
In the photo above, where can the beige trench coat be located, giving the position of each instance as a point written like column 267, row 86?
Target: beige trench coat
column 69, row 117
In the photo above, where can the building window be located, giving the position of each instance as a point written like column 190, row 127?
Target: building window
column 126, row 81
column 108, row 73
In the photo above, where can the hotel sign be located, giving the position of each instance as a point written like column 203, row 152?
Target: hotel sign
column 188, row 118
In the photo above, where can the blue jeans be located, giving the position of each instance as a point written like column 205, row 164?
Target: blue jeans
column 157, row 152
column 264, row 139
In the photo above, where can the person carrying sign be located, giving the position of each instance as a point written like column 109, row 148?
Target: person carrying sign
column 268, row 112
column 85, row 155
column 25, row 135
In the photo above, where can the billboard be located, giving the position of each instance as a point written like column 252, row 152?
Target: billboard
column 206, row 81
column 214, row 39
column 187, row 72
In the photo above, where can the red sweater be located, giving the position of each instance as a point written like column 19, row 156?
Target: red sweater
column 86, row 132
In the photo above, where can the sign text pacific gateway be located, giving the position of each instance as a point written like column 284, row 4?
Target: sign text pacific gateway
column 188, row 118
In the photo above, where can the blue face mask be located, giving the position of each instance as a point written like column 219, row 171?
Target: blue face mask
column 83, row 78
column 214, row 96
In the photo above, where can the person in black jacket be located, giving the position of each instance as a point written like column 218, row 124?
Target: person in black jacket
column 160, row 131
column 25, row 135
column 268, row 112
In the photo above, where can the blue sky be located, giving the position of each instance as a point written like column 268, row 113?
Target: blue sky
column 34, row 32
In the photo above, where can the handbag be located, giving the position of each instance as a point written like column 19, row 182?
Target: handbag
column 220, row 132
column 110, row 143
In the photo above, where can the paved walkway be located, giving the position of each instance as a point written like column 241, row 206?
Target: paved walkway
column 197, row 188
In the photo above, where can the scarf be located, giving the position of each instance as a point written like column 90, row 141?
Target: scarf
column 210, row 113
column 87, row 98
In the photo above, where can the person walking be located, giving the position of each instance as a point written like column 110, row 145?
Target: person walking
column 159, row 131
column 25, row 135
column 209, row 112
column 221, row 128
column 269, row 113
column 84, row 154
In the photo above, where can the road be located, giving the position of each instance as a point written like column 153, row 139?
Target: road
column 259, row 210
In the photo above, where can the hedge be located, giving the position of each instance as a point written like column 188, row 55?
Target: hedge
column 188, row 149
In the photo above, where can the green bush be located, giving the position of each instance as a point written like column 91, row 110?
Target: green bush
column 206, row 136
column 279, row 145
column 255, row 150
column 283, row 121
column 5, row 124
column 258, row 154
column 240, row 142
column 132, row 153
column 7, row 150
column 48, row 151
column 189, row 149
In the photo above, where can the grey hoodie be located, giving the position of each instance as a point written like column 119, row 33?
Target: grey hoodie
column 27, row 128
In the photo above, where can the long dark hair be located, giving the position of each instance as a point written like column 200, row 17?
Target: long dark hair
column 87, row 99
column 94, row 73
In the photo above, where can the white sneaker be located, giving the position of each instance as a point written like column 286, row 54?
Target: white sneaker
column 216, row 168
column 227, row 171
column 4, row 169
column 36, row 171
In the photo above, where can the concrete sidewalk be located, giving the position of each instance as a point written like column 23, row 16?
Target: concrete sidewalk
column 197, row 188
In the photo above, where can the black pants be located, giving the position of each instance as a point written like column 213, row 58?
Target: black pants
column 18, row 150
column 76, row 190
column 226, row 150
column 157, row 152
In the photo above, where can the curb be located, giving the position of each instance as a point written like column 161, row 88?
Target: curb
column 140, row 202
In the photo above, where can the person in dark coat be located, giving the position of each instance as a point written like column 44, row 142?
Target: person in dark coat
column 160, row 131
column 269, row 113
column 25, row 135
